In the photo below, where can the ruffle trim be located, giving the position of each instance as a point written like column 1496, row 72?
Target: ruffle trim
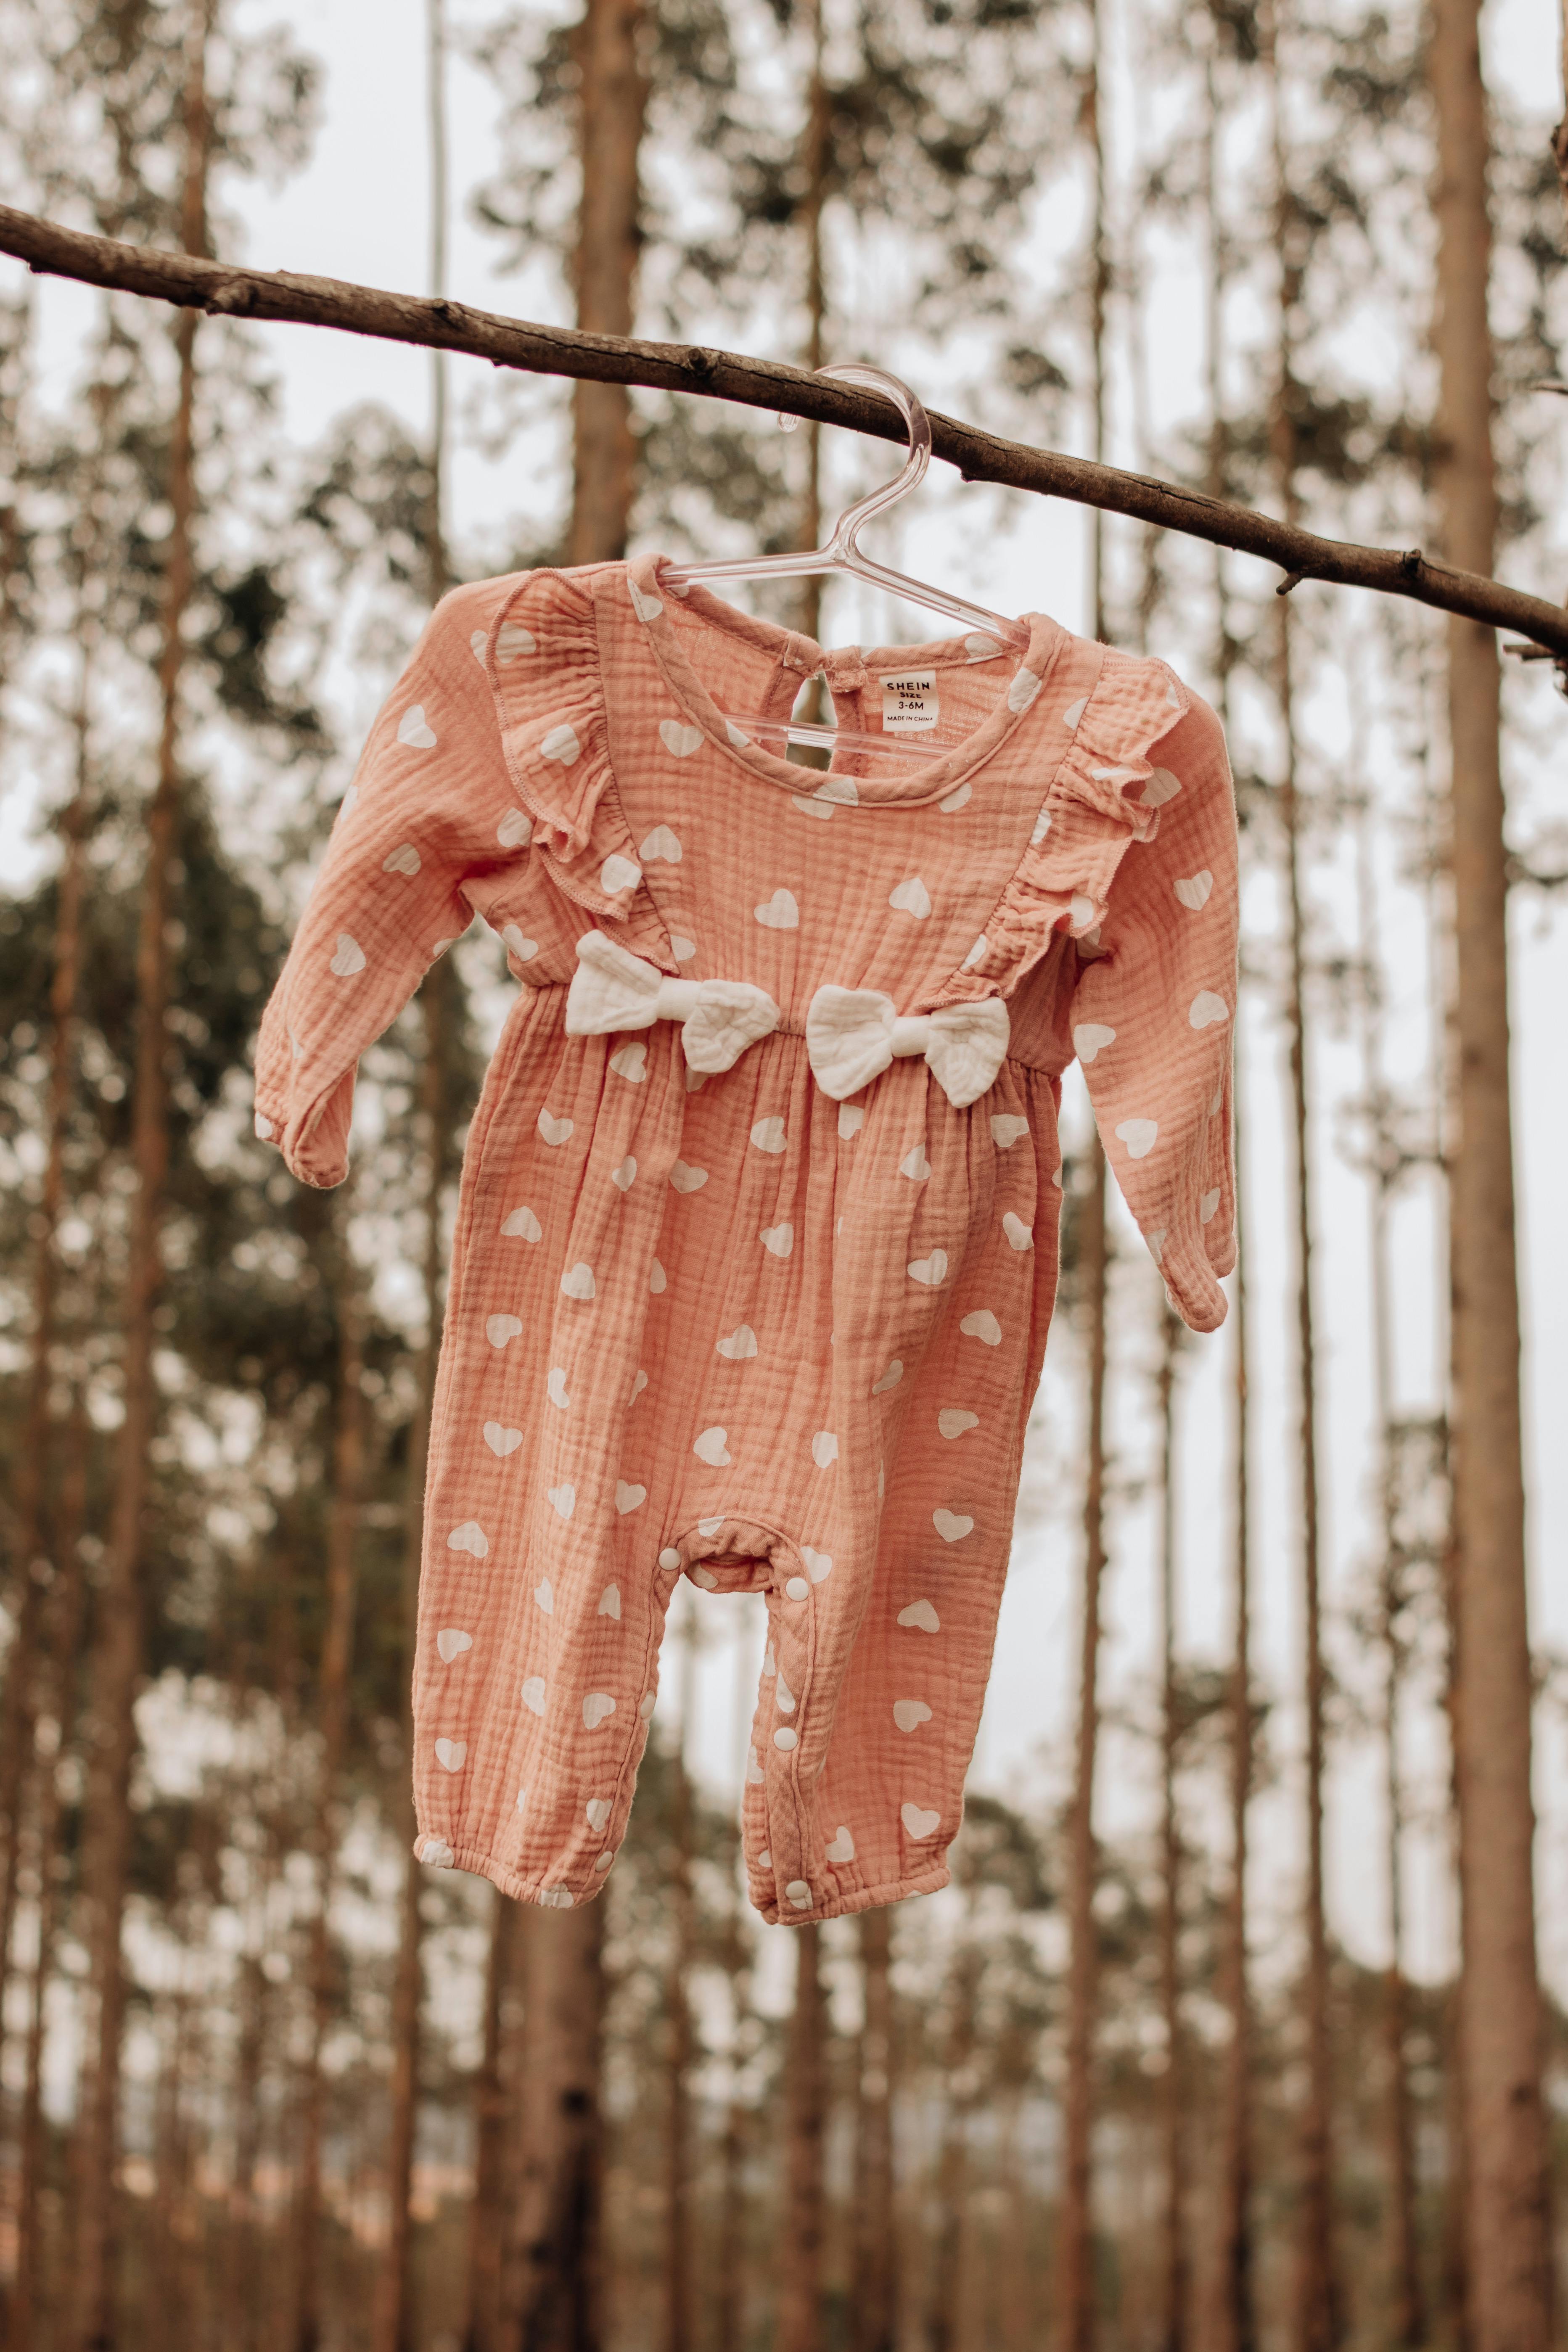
column 1107, row 793
column 542, row 661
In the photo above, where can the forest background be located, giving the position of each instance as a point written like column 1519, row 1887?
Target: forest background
column 264, row 2080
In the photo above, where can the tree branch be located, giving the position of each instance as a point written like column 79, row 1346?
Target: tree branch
column 219, row 287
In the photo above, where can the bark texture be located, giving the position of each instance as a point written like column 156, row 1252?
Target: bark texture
column 614, row 102
column 1508, row 2219
column 111, row 1744
column 798, row 2326
column 332, row 1725
column 561, row 2196
column 1175, row 2255
column 1076, row 2314
column 874, row 2300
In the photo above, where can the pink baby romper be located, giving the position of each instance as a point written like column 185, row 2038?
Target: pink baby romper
column 719, row 1320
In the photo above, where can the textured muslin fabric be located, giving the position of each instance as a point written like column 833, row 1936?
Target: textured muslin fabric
column 723, row 1323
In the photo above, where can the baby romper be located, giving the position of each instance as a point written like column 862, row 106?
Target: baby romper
column 756, row 1243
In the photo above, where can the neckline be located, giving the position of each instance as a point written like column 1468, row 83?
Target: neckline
column 929, row 781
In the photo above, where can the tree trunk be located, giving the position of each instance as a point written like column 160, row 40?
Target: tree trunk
column 117, row 1667
column 1075, row 2280
column 494, row 2186
column 1509, row 2220
column 1174, row 2316
column 32, row 1551
column 1237, row 2320
column 57, row 1705
column 798, row 2327
column 731, row 2264
column 560, row 2199
column 678, row 2312
column 614, row 105
column 949, row 2330
column 1317, row 2324
column 874, row 2303
column 332, row 1722
column 559, row 2212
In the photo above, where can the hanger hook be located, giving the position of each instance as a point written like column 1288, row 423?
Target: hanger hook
column 844, row 544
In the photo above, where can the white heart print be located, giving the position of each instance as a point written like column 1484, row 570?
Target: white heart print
column 1192, row 890
column 564, row 1497
column 921, row 1615
column 609, row 1602
column 778, row 913
column 662, row 846
column 976, row 953
column 983, row 1324
column 1161, row 787
column 952, row 1526
column 741, row 1342
column 1006, row 1129
column 957, row 799
column 415, row 729
column 623, row 1177
column 555, row 1387
column 522, row 1226
column 577, row 1282
column 646, row 608
column 451, row 1642
column 843, row 1846
column 629, row 1497
column 630, row 1062
column 929, row 1270
column 597, row 1810
column 918, row 1822
column 817, row 1564
column 1207, row 1008
column 778, row 1240
column 1208, row 1206
column 502, row 1439
column 404, row 859
column 1022, row 689
column 500, row 1328
column 915, row 1166
column 711, row 1447
column 554, row 1131
column 532, row 1696
column 1091, row 1037
column 953, row 1421
column 768, row 1135
column 513, row 640
column 688, row 1179
column 908, row 1714
column 825, row 1449
column 1074, row 712
column 561, row 743
column 348, row 957
column 678, row 740
column 515, row 826
column 597, row 1706
column 544, row 1597
column 436, row 1852
column 617, row 874
column 450, row 1754
column 910, row 898
column 851, row 1120
column 1022, row 1236
column 1138, row 1135
column 469, row 1538
column 889, row 1380
column 517, row 939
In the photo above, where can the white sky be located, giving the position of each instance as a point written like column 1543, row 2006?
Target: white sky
column 359, row 212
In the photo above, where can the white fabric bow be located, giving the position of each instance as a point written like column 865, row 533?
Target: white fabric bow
column 613, row 989
column 852, row 1034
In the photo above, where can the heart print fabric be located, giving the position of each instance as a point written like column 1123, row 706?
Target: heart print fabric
column 772, row 1328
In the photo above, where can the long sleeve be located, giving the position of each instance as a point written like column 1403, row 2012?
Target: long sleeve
column 431, row 809
column 1153, row 1015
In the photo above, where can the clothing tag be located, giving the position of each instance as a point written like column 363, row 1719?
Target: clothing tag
column 910, row 704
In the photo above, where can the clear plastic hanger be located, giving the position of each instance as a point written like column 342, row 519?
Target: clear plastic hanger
column 843, row 554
